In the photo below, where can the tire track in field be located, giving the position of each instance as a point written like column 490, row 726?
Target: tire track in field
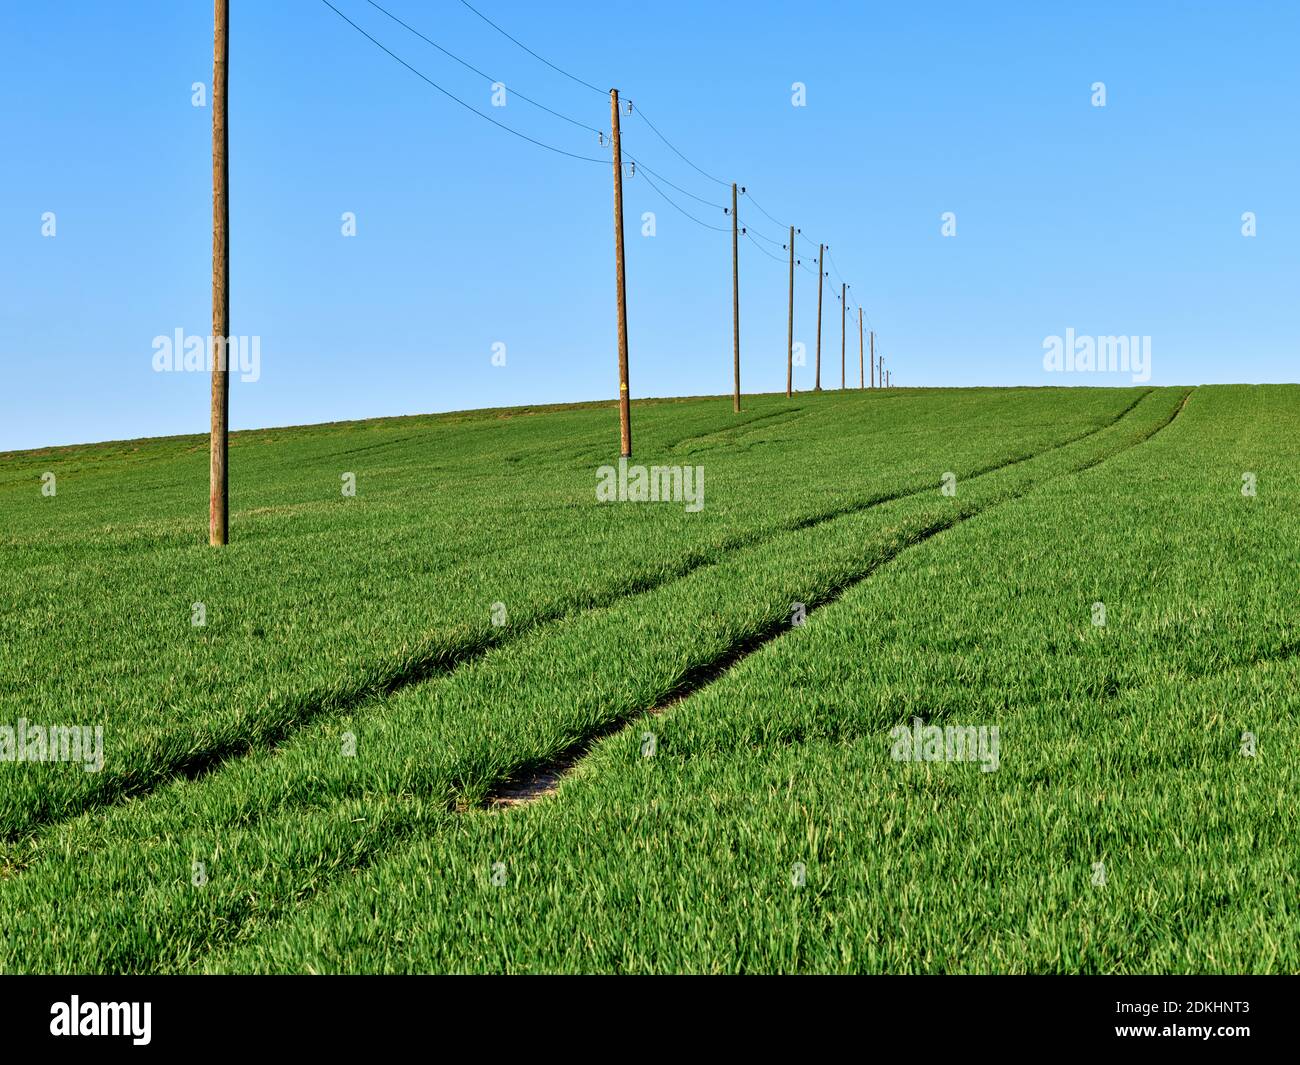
column 772, row 419
column 546, row 779
column 821, row 519
column 681, row 689
column 435, row 661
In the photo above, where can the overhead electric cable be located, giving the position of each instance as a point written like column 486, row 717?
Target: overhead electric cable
column 482, row 74
column 542, row 59
column 457, row 99
column 718, row 229
column 636, row 109
column 774, row 258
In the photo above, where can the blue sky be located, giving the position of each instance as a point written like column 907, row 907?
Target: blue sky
column 1117, row 220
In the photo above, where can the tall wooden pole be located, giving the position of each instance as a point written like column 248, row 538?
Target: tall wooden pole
column 844, row 289
column 862, row 378
column 218, row 485
column 880, row 371
column 735, row 297
column 624, row 400
column 789, row 329
column 821, row 253
column 873, row 358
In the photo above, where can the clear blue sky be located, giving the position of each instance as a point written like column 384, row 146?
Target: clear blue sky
column 1115, row 220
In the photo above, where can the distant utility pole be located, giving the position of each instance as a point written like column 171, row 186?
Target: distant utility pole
column 862, row 374
column 873, row 358
column 844, row 289
column 789, row 329
column 821, row 254
column 880, row 372
column 735, row 294
column 219, row 444
column 624, row 401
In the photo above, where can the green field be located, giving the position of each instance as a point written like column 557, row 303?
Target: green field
column 310, row 780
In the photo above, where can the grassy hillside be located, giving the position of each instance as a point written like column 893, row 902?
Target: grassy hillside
column 304, row 782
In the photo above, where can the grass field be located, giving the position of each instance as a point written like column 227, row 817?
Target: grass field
column 306, row 782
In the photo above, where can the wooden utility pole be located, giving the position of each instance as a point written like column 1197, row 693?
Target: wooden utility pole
column 880, row 372
column 219, row 443
column 821, row 254
column 789, row 329
column 862, row 377
column 873, row 358
column 735, row 296
column 624, row 400
column 844, row 289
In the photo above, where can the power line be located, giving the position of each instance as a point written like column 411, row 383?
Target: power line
column 759, row 232
column 850, row 302
column 774, row 221
column 684, row 192
column 457, row 99
column 859, row 303
column 756, row 233
column 774, row 258
column 470, row 66
column 561, row 70
column 717, row 229
column 582, row 125
column 636, row 109
column 633, row 106
column 831, row 260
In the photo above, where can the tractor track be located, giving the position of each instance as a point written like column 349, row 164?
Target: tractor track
column 432, row 663
column 545, row 780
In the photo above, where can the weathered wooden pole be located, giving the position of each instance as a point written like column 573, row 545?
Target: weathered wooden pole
column 789, row 329
column 219, row 442
column 624, row 400
column 862, row 380
column 735, row 298
column 844, row 303
column 821, row 254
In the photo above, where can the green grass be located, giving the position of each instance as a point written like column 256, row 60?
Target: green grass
column 1118, row 744
column 324, row 601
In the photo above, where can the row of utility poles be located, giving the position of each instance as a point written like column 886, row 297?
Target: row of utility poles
column 875, row 364
column 219, row 494
column 878, row 372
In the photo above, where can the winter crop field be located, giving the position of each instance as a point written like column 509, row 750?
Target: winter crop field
column 904, row 680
